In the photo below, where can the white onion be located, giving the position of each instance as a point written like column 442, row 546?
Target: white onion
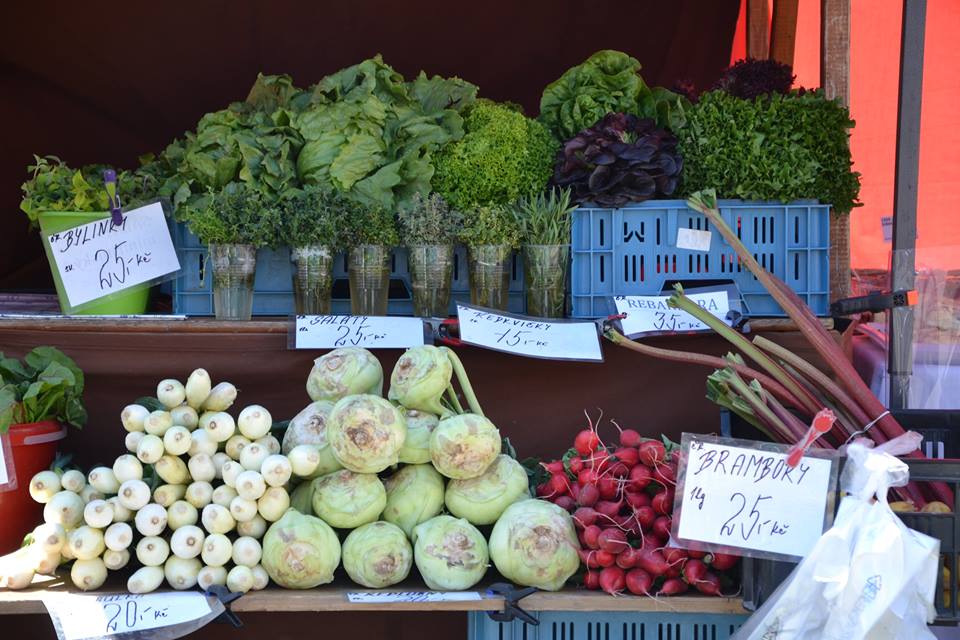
column 50, row 537
column 235, row 445
column 254, row 528
column 224, row 495
column 260, row 577
column 254, row 422
column 73, row 480
column 120, row 512
column 103, row 480
column 151, row 520
column 304, row 460
column 271, row 443
column 133, row 416
column 88, row 574
column 217, row 519
column 172, row 470
column 150, row 449
column 134, row 495
column 201, row 442
column 220, row 426
column 201, row 468
column 221, row 397
column 145, row 579
column 131, row 442
column 64, row 508
column 209, row 576
column 181, row 573
column 180, row 514
column 116, row 560
column 118, row 536
column 187, row 542
column 44, row 486
column 199, row 494
column 185, row 416
column 171, row 393
column 127, row 467
column 158, row 422
column 250, row 485
column 98, row 513
column 247, row 551
column 177, row 440
column 197, row 388
column 166, row 494
column 220, row 458
column 85, row 542
column 229, row 472
column 217, row 550
column 242, row 509
column 89, row 493
column 152, row 551
column 240, row 579
column 252, row 456
column 273, row 503
column 276, row 470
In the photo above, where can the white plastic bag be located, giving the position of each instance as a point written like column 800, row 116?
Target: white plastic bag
column 869, row 576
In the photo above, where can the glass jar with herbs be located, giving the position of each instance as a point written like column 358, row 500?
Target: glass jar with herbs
column 428, row 229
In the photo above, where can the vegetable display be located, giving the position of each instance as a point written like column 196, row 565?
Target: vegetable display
column 621, row 159
column 46, row 385
column 620, row 497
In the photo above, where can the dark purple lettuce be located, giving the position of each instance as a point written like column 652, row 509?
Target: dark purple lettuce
column 619, row 160
column 750, row 78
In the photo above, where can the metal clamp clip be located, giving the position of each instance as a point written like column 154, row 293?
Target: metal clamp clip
column 511, row 610
column 225, row 596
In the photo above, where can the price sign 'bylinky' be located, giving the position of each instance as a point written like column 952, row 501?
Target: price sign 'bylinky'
column 741, row 497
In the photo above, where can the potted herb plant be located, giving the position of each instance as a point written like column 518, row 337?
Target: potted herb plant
column 428, row 228
column 372, row 233
column 313, row 229
column 544, row 221
column 490, row 234
column 57, row 198
column 234, row 222
column 39, row 396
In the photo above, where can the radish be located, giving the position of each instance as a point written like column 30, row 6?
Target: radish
column 694, row 570
column 558, row 484
column 543, row 490
column 661, row 527
column 653, row 562
column 605, row 558
column 646, row 516
column 723, row 561
column 589, row 558
column 591, row 535
column 666, row 474
column 584, row 517
column 565, row 502
column 637, row 499
column 630, row 438
column 628, row 558
column 710, row 584
column 612, row 541
column 589, row 494
column 675, row 556
column 587, row 476
column 591, row 580
column 554, row 467
column 640, row 476
column 586, row 442
column 612, row 580
column 607, row 508
column 663, row 502
column 639, row 582
column 608, row 487
column 576, row 464
column 693, row 553
column 652, row 453
column 672, row 587
column 574, row 490
column 629, row 456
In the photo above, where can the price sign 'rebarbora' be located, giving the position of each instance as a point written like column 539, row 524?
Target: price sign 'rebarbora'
column 651, row 314
column 532, row 337
column 370, row 332
column 383, row 597
column 740, row 497
column 78, row 617
column 99, row 258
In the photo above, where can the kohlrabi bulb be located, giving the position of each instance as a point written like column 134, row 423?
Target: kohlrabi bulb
column 534, row 543
column 481, row 500
column 420, row 379
column 346, row 500
column 377, row 555
column 414, row 495
column 344, row 372
column 300, row 551
column 416, row 446
column 463, row 446
column 366, row 433
column 450, row 553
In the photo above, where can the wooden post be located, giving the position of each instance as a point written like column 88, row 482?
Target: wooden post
column 835, row 81
column 758, row 30
column 783, row 34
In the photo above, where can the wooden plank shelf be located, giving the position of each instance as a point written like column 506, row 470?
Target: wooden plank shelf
column 331, row 598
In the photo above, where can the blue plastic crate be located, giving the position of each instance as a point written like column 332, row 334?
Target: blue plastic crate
column 632, row 251
column 192, row 290
column 608, row 625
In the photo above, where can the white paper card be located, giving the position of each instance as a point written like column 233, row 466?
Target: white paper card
column 746, row 497
column 651, row 314
column 382, row 597
column 96, row 616
column 371, row 332
column 97, row 259
column 4, row 453
column 693, row 239
column 533, row 337
column 886, row 225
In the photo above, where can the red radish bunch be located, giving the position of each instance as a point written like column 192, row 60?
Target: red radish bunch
column 621, row 496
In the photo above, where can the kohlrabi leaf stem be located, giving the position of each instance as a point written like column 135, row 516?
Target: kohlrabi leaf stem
column 454, row 400
column 464, row 381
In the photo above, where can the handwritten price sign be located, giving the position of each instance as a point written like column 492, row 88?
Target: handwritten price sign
column 99, row 258
column 652, row 314
column 382, row 597
column 741, row 497
column 370, row 332
column 532, row 337
column 78, row 617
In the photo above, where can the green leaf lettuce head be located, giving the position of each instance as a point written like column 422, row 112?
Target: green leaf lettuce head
column 490, row 225
column 370, row 133
column 235, row 214
column 46, row 385
column 774, row 147
column 607, row 82
column 503, row 156
column 313, row 216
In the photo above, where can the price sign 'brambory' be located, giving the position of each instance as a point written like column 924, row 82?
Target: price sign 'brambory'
column 739, row 496
column 531, row 337
column 97, row 259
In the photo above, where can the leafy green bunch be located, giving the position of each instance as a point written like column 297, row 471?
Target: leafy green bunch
column 46, row 385
column 314, row 216
column 607, row 82
column 235, row 214
column 429, row 220
column 490, row 224
column 773, row 147
column 544, row 218
column 53, row 186
column 503, row 156
column 369, row 224
column 370, row 133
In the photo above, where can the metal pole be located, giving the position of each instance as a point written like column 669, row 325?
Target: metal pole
column 902, row 264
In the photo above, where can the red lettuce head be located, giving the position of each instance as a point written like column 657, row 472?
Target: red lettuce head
column 619, row 160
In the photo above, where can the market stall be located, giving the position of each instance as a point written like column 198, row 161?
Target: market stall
column 382, row 354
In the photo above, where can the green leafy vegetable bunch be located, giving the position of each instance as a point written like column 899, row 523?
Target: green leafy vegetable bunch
column 490, row 224
column 314, row 215
column 774, row 147
column 235, row 214
column 429, row 220
column 503, row 156
column 544, row 218
column 607, row 82
column 367, row 223
column 45, row 385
